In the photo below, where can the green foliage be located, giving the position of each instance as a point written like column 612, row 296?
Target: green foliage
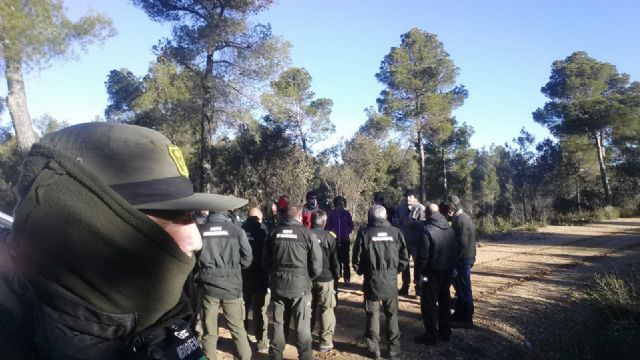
column 229, row 56
column 607, row 213
column 10, row 162
column 484, row 183
column 260, row 164
column 599, row 214
column 36, row 31
column 617, row 297
column 449, row 158
column 377, row 126
column 291, row 103
column 123, row 88
column 420, row 91
column 590, row 98
column 47, row 124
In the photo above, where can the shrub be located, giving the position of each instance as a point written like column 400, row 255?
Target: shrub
column 533, row 226
column 617, row 297
column 486, row 225
column 503, row 225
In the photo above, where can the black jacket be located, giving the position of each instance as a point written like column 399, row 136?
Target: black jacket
column 380, row 253
column 254, row 278
column 293, row 258
column 225, row 252
column 437, row 252
column 330, row 264
column 465, row 234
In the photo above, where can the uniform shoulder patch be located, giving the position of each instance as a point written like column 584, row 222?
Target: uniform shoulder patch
column 178, row 159
column 333, row 234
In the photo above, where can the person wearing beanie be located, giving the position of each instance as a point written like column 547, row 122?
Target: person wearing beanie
column 437, row 255
column 104, row 237
column 309, row 206
column 340, row 223
column 465, row 232
column 410, row 219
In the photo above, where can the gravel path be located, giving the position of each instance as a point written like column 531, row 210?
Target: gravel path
column 527, row 288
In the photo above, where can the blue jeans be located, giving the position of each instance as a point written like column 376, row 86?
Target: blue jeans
column 464, row 302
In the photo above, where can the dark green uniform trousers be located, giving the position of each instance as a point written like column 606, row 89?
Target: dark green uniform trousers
column 233, row 311
column 299, row 310
column 372, row 332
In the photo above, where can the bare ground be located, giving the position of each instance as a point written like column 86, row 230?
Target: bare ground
column 528, row 290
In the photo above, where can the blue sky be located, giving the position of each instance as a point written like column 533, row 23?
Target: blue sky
column 504, row 50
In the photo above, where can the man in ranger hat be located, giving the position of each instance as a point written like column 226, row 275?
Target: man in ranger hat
column 104, row 236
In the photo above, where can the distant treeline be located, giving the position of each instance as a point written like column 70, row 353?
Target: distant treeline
column 221, row 89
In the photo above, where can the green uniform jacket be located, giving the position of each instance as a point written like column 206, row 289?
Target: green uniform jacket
column 380, row 253
column 293, row 258
column 225, row 252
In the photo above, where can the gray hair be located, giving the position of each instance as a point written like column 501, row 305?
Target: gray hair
column 319, row 218
column 378, row 212
column 294, row 212
column 432, row 209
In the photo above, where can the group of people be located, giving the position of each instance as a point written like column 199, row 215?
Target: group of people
column 296, row 263
column 105, row 242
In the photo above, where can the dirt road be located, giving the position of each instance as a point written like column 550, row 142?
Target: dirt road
column 524, row 284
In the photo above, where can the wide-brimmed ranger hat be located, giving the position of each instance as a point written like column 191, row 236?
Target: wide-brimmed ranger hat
column 139, row 164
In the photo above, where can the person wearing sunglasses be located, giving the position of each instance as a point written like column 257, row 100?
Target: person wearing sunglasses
column 104, row 237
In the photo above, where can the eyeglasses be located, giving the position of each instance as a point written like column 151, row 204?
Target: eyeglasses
column 175, row 216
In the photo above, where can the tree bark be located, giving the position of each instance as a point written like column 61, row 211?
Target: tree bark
column 422, row 179
column 205, row 122
column 444, row 173
column 603, row 169
column 524, row 190
column 578, row 195
column 17, row 104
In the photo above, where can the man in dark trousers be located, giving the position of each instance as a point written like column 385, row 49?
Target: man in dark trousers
column 410, row 219
column 255, row 281
column 466, row 239
column 225, row 252
column 437, row 255
column 340, row 223
column 380, row 254
column 323, row 286
column 293, row 258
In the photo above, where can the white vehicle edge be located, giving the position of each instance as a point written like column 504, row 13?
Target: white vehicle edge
column 5, row 220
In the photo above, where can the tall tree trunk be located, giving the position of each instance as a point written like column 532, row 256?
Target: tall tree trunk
column 444, row 173
column 17, row 104
column 422, row 179
column 524, row 191
column 603, row 169
column 578, row 195
column 205, row 122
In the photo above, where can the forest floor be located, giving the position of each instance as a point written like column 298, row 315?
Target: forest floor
column 529, row 291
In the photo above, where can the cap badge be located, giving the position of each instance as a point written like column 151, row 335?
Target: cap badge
column 178, row 159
